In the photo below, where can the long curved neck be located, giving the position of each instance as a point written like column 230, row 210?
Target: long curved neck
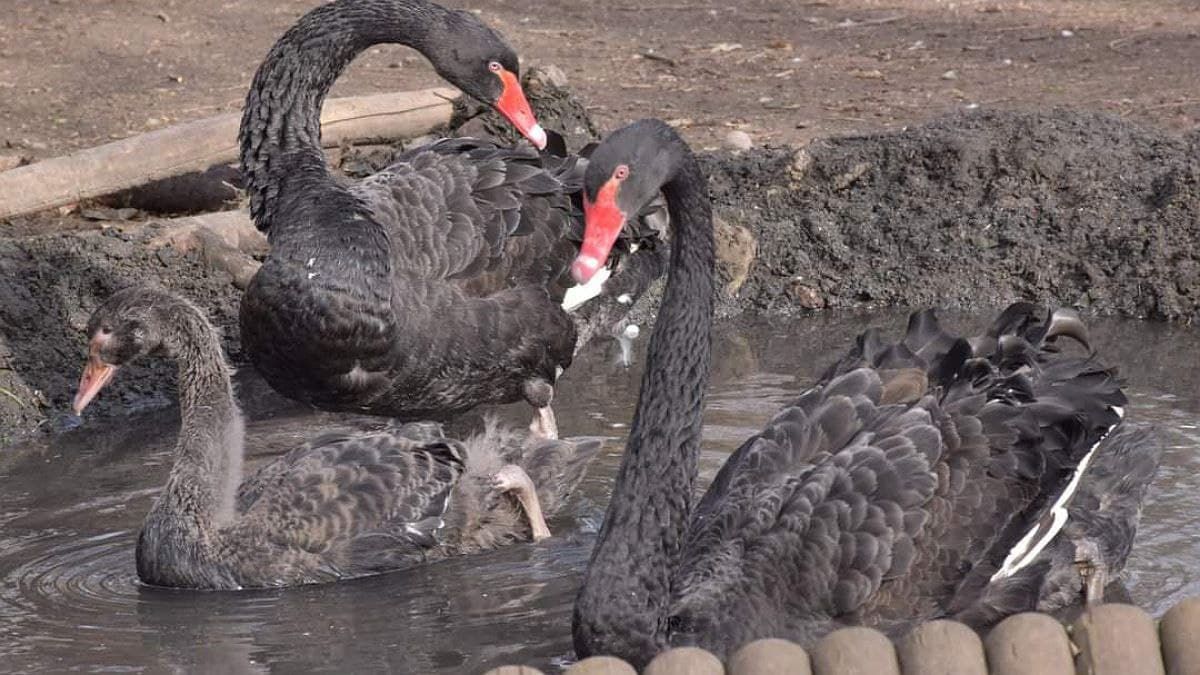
column 627, row 586
column 281, row 126
column 208, row 456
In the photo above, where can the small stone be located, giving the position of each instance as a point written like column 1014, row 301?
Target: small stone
column 1068, row 33
column 166, row 255
column 802, row 161
column 851, row 177
column 804, row 295
column 738, row 140
column 950, row 75
column 548, row 76
column 736, row 251
column 872, row 74
column 10, row 162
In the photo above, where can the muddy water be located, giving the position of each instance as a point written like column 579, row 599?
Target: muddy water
column 70, row 510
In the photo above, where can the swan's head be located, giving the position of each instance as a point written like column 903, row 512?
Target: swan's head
column 472, row 57
column 126, row 326
column 624, row 174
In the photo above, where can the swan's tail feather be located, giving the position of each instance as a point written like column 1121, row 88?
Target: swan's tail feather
column 1097, row 536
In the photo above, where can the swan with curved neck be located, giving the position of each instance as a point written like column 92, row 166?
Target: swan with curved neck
column 439, row 283
column 344, row 505
column 281, row 122
column 921, row 479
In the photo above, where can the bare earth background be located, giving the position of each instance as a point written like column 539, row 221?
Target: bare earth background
column 908, row 152
column 75, row 73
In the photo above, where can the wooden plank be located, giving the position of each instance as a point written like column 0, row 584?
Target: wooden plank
column 1117, row 640
column 601, row 665
column 1029, row 644
column 770, row 657
column 854, row 651
column 1180, row 636
column 115, row 166
column 942, row 648
column 685, row 661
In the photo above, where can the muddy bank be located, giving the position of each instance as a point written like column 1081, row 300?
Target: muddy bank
column 51, row 285
column 970, row 211
column 973, row 210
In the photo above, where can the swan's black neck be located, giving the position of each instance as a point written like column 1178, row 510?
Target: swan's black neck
column 627, row 588
column 281, row 125
column 208, row 460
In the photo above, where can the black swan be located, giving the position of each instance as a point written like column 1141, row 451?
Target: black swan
column 343, row 505
column 434, row 285
column 932, row 477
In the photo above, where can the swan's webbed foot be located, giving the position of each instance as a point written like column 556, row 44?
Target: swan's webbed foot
column 1094, row 573
column 625, row 339
column 512, row 478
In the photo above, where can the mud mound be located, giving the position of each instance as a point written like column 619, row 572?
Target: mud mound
column 971, row 211
column 968, row 212
column 51, row 285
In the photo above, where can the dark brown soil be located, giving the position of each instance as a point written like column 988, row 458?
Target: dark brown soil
column 975, row 210
column 986, row 203
column 51, row 285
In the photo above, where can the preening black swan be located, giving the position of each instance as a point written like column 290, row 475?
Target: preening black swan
column 343, row 505
column 432, row 286
column 932, row 477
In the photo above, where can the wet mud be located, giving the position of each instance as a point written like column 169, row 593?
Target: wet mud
column 969, row 211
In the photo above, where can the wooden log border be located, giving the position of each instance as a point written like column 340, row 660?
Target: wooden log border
column 1111, row 639
column 198, row 145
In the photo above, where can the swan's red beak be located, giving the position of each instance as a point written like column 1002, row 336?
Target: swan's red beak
column 513, row 105
column 603, row 221
column 95, row 375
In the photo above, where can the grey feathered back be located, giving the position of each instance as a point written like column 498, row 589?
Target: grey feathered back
column 891, row 492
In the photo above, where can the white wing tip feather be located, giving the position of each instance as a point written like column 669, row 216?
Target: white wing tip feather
column 1028, row 548
column 581, row 293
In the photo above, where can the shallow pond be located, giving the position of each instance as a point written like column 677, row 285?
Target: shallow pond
column 71, row 506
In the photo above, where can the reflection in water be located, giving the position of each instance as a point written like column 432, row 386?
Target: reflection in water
column 71, row 507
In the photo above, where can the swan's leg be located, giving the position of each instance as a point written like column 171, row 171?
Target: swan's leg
column 1093, row 570
column 625, row 339
column 1096, row 582
column 512, row 478
column 544, row 424
column 540, row 393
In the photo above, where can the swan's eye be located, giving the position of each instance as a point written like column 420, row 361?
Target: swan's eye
column 495, row 67
column 621, row 172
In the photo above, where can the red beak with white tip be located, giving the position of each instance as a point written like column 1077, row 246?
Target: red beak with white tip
column 603, row 221
column 514, row 106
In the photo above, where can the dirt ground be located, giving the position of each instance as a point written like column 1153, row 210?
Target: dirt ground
column 913, row 152
column 74, row 73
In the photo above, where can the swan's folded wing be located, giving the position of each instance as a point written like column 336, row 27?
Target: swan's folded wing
column 807, row 519
column 322, row 497
column 455, row 210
